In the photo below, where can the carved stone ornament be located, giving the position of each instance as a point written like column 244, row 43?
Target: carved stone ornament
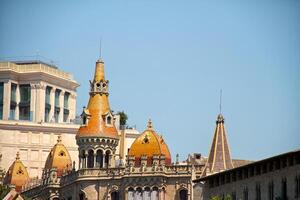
column 99, row 87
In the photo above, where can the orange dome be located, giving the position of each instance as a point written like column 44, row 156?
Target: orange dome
column 98, row 109
column 17, row 174
column 149, row 143
column 59, row 158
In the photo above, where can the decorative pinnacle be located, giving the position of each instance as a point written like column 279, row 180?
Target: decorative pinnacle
column 18, row 155
column 220, row 119
column 149, row 125
column 59, row 139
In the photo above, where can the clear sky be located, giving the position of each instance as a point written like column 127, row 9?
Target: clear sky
column 168, row 60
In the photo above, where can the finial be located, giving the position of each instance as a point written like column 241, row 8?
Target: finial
column 220, row 119
column 149, row 125
column 177, row 158
column 100, row 56
column 18, row 155
column 100, row 52
column 220, row 101
column 59, row 139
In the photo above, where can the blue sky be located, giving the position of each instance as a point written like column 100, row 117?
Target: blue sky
column 168, row 60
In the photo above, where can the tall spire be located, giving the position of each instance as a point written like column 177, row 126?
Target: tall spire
column 96, row 114
column 219, row 158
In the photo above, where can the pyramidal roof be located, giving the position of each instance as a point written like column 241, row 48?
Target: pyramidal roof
column 17, row 174
column 219, row 158
column 97, row 117
column 59, row 158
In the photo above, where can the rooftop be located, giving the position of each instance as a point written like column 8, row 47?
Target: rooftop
column 31, row 66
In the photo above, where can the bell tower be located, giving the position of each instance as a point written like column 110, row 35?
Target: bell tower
column 97, row 136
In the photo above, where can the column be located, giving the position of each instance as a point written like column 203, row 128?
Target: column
column 95, row 156
column 85, row 160
column 6, row 100
column 33, row 97
column 79, row 162
column 40, row 102
column 52, row 102
column 17, row 101
column 72, row 105
column 61, row 105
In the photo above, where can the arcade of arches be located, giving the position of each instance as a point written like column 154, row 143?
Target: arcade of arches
column 95, row 159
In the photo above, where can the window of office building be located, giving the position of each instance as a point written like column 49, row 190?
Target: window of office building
column 1, row 100
column 13, row 101
column 57, row 94
column 47, row 103
column 66, row 106
column 56, row 102
column 24, row 105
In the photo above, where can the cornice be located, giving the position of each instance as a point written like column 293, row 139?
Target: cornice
column 39, row 127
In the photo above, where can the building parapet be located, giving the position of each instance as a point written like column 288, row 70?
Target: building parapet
column 35, row 67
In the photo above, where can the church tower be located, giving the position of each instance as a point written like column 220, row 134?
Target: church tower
column 219, row 158
column 97, row 137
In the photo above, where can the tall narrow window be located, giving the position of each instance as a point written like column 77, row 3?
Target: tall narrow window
column 283, row 189
column 271, row 190
column 1, row 100
column 24, row 105
column 115, row 195
column 233, row 196
column 297, row 186
column 13, row 101
column 245, row 193
column 183, row 194
column 258, row 192
column 66, row 106
column 57, row 107
column 47, row 103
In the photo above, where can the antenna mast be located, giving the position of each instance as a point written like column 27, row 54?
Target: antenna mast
column 220, row 101
column 100, row 47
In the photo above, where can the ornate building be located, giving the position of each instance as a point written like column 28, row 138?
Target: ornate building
column 38, row 103
column 147, row 173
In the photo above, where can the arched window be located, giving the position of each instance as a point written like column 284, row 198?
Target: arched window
column 83, row 159
column 130, row 194
column 147, row 194
column 183, row 194
column 107, row 155
column 81, row 196
column 90, row 161
column 115, row 195
column 99, row 158
column 108, row 120
column 84, row 120
column 138, row 194
column 154, row 193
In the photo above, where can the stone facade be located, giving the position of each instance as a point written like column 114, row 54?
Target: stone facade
column 272, row 178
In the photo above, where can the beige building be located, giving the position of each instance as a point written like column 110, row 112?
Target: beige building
column 148, row 172
column 38, row 103
column 272, row 178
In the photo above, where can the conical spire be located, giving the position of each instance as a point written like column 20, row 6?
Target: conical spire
column 96, row 114
column 99, row 70
column 219, row 158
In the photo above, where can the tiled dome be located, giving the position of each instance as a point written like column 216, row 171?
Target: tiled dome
column 149, row 144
